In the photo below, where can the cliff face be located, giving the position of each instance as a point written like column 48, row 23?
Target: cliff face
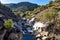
column 7, row 12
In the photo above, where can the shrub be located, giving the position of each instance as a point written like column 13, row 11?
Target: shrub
column 22, row 14
column 8, row 24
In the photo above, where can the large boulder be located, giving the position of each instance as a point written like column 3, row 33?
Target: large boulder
column 13, row 34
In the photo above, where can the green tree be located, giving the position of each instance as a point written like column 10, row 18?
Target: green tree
column 8, row 24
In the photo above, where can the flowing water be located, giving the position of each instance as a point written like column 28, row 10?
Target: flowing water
column 28, row 37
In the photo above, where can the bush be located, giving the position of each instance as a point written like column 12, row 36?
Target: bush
column 48, row 15
column 8, row 24
column 21, row 14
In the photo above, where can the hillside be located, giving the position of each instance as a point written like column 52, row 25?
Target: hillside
column 46, row 8
column 6, row 12
column 22, row 6
column 50, row 14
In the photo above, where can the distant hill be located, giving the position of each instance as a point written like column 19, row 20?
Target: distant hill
column 23, row 6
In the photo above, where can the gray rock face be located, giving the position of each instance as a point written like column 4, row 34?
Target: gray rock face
column 7, row 12
column 13, row 36
column 10, row 35
column 2, row 33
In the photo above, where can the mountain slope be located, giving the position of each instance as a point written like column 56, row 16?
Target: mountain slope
column 7, row 12
column 26, row 6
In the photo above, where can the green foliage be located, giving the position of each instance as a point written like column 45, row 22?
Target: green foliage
column 21, row 14
column 8, row 24
column 28, row 17
column 40, row 18
column 48, row 15
column 36, row 9
column 22, row 9
column 51, row 14
column 28, row 13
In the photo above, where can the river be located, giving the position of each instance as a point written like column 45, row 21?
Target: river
column 28, row 37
